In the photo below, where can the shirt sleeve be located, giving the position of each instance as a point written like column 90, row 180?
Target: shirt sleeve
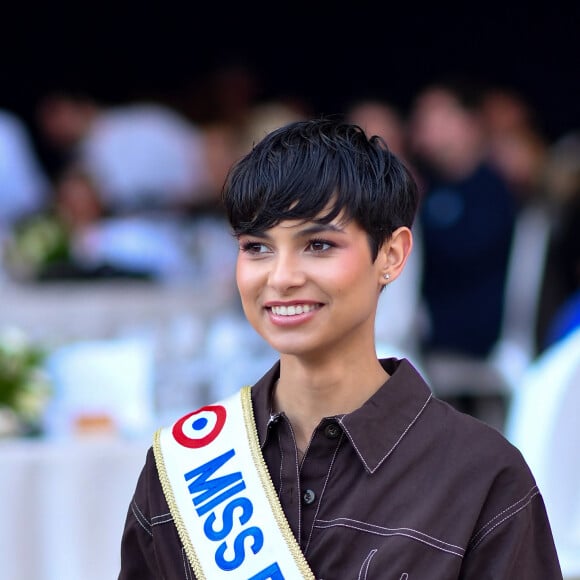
column 138, row 560
column 517, row 543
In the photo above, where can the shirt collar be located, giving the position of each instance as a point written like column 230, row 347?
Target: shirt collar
column 376, row 428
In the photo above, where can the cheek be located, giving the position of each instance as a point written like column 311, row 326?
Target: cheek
column 247, row 278
column 352, row 273
column 241, row 277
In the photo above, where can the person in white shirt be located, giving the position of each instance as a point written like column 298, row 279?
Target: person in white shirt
column 23, row 184
column 140, row 155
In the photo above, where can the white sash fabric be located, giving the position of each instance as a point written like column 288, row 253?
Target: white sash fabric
column 220, row 494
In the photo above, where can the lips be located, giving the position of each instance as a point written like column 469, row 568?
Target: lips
column 293, row 309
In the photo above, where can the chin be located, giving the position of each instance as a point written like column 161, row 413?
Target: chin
column 290, row 347
column 302, row 349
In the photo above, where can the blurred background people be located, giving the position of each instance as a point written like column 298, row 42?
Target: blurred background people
column 379, row 117
column 519, row 149
column 191, row 248
column 140, row 155
column 517, row 146
column 467, row 220
column 265, row 116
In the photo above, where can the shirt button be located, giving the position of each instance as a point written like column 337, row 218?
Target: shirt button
column 332, row 431
column 309, row 496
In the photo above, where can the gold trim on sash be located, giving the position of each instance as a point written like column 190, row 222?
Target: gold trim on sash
column 168, row 492
column 268, row 486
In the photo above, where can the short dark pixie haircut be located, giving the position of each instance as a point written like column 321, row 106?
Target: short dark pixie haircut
column 318, row 170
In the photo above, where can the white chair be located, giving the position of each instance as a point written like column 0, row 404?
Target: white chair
column 543, row 423
column 516, row 348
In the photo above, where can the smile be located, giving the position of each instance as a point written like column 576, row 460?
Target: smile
column 293, row 310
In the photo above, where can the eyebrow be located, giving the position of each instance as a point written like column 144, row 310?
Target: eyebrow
column 318, row 228
column 313, row 229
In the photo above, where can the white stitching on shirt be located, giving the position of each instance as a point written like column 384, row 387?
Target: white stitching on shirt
column 366, row 564
column 141, row 514
column 533, row 491
column 144, row 522
column 281, row 463
column 186, row 568
column 488, row 528
column 141, row 519
column 298, row 481
column 396, row 442
column 383, row 531
column 161, row 519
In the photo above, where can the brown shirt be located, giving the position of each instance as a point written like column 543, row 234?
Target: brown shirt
column 404, row 488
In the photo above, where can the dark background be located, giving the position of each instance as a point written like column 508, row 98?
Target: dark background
column 327, row 54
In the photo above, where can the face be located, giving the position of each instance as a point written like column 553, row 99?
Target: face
column 310, row 289
column 442, row 133
column 379, row 119
column 62, row 121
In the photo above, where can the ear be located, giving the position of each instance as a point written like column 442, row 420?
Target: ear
column 393, row 254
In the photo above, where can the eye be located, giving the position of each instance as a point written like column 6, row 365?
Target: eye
column 319, row 246
column 251, row 247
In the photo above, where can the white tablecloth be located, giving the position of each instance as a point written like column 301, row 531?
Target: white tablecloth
column 63, row 506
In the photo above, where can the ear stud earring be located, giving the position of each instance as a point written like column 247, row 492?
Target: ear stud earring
column 387, row 276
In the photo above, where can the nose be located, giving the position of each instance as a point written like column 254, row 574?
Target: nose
column 286, row 272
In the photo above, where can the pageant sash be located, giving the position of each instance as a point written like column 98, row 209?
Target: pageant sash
column 221, row 497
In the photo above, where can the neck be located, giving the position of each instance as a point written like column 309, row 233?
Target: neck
column 307, row 393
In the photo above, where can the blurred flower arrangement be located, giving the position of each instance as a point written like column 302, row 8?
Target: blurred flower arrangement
column 35, row 243
column 25, row 389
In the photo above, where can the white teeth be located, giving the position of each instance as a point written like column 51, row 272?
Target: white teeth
column 292, row 310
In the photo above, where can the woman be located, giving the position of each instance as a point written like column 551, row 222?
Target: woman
column 338, row 465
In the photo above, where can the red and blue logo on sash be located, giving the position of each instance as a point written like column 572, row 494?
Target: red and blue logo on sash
column 201, row 427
